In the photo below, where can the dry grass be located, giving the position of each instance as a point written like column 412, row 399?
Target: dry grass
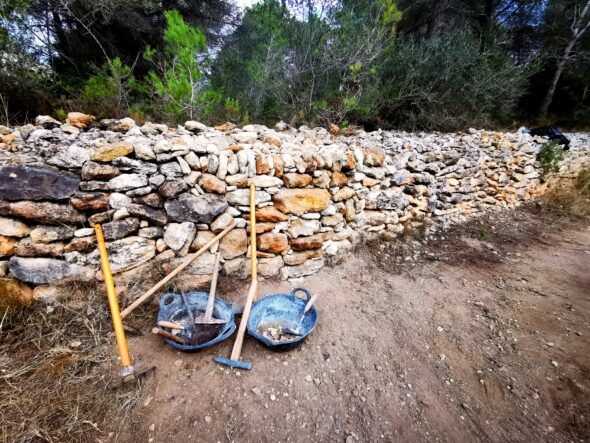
column 570, row 196
column 54, row 371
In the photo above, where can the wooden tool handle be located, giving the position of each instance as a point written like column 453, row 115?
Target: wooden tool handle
column 211, row 300
column 237, row 349
column 310, row 302
column 253, row 258
column 129, row 309
column 105, row 266
column 169, row 336
column 170, row 325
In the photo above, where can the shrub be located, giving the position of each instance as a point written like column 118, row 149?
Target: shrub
column 550, row 156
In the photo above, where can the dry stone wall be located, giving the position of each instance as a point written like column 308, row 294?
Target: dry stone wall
column 162, row 192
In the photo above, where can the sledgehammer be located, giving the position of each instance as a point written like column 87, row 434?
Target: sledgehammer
column 234, row 360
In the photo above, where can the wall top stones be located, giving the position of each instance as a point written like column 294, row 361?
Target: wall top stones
column 161, row 192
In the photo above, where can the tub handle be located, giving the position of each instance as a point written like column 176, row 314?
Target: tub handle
column 167, row 300
column 307, row 293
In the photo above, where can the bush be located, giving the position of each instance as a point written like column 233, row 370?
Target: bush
column 108, row 92
column 446, row 83
column 550, row 156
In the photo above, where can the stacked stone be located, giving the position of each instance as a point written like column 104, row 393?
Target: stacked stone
column 161, row 193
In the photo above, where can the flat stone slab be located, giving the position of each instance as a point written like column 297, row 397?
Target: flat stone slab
column 46, row 270
column 28, row 183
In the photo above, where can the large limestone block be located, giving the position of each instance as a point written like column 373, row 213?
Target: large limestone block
column 301, row 201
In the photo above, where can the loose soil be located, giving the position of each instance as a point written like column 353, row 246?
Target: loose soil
column 477, row 334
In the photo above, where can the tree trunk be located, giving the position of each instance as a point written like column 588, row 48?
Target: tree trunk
column 579, row 26
column 553, row 85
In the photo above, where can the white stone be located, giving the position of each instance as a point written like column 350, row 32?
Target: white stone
column 266, row 181
column 126, row 182
column 118, row 200
column 179, row 235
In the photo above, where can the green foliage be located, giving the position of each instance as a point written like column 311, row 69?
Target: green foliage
column 446, row 83
column 484, row 233
column 411, row 64
column 178, row 80
column 109, row 91
column 550, row 156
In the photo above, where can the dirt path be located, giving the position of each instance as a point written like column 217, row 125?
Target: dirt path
column 469, row 340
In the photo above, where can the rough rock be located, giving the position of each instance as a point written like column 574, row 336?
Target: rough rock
column 14, row 293
column 270, row 214
column 179, row 235
column 172, row 187
column 267, row 181
column 221, row 222
column 338, row 179
column 154, row 200
column 201, row 239
column 197, row 209
column 28, row 183
column 26, row 248
column 46, row 122
column 238, row 180
column 152, row 215
column 126, row 182
column 306, row 243
column 118, row 200
column 233, row 244
column 7, row 245
column 70, row 157
column 301, row 201
column 343, row 194
column 79, row 120
column 109, row 152
column 210, row 183
column 120, row 228
column 391, row 199
column 203, row 265
column 144, row 152
column 151, row 232
column 195, row 126
column 44, row 212
column 13, row 228
column 241, row 197
column 374, row 156
column 271, row 242
column 126, row 254
column 308, row 268
column 98, row 171
column 81, row 244
column 298, row 258
column 90, row 201
column 269, row 267
column 46, row 270
column 294, row 180
column 301, row 228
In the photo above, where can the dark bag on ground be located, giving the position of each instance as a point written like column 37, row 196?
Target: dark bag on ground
column 552, row 134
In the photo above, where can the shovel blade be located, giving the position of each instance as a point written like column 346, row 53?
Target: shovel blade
column 202, row 320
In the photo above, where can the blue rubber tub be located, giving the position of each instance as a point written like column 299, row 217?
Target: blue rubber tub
column 282, row 309
column 173, row 309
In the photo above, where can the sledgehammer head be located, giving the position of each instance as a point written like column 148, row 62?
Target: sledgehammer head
column 233, row 363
